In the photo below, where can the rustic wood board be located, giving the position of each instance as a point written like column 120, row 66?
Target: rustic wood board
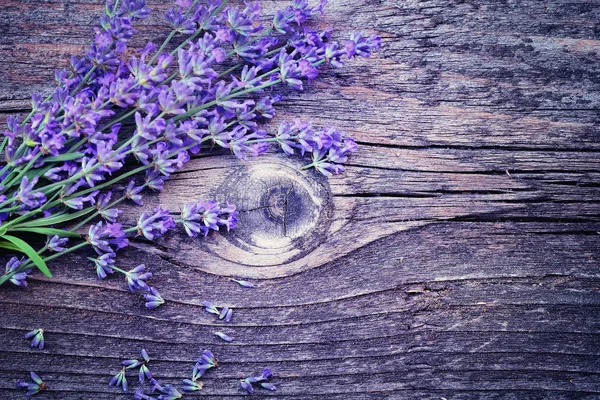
column 457, row 257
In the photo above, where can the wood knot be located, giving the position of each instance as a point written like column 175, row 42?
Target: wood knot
column 284, row 213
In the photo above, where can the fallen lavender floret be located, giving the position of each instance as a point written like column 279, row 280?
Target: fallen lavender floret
column 65, row 160
column 206, row 361
column 34, row 387
column 191, row 385
column 38, row 338
column 153, row 299
column 243, row 283
column 168, row 392
column 210, row 308
column 246, row 383
column 119, row 380
column 223, row 336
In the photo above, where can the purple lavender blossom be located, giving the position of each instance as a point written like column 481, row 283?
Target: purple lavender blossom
column 204, row 363
column 27, row 196
column 137, row 277
column 268, row 386
column 210, row 307
column 155, row 225
column 224, row 337
column 191, row 385
column 99, row 238
column 32, row 388
column 178, row 22
column 243, row 283
column 56, row 244
column 246, row 385
column 201, row 217
column 266, row 374
column 119, row 380
column 20, row 278
column 223, row 312
column 132, row 193
column 38, row 338
column 104, row 264
column 153, row 299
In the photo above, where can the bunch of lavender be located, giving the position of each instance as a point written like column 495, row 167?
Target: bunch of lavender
column 70, row 162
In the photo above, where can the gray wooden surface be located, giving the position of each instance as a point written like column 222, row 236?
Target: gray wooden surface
column 457, row 257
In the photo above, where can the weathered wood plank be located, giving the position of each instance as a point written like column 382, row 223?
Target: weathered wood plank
column 457, row 257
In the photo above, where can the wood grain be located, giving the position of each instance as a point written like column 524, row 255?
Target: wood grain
column 457, row 257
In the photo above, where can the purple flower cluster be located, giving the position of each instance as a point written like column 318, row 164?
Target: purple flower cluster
column 38, row 338
column 12, row 269
column 329, row 148
column 206, row 361
column 203, row 216
column 34, row 387
column 212, row 90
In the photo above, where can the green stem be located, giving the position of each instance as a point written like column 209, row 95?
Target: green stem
column 88, row 219
column 69, row 250
column 162, row 47
column 83, row 80
column 273, row 139
column 22, row 172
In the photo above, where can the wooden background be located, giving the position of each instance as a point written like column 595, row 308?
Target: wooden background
column 457, row 257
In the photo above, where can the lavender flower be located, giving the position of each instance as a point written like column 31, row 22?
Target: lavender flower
column 56, row 244
column 268, row 386
column 104, row 264
column 144, row 371
column 210, row 307
column 136, row 278
column 247, row 385
column 27, row 196
column 245, row 284
column 98, row 237
column 191, row 385
column 223, row 336
column 119, row 380
column 140, row 395
column 155, row 225
column 153, row 299
column 169, row 392
column 20, row 278
column 132, row 193
column 202, row 217
column 32, row 388
column 38, row 338
column 204, row 363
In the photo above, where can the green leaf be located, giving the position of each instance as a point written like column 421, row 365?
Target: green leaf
column 47, row 231
column 23, row 247
column 55, row 219
column 8, row 246
column 64, row 157
column 2, row 231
